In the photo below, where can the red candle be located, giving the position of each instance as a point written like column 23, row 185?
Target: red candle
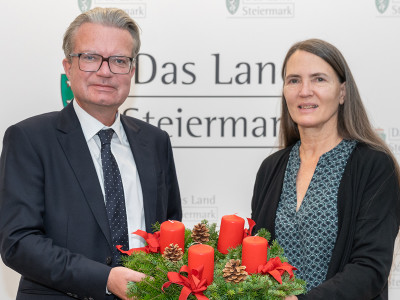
column 254, row 253
column 230, row 233
column 172, row 232
column 201, row 254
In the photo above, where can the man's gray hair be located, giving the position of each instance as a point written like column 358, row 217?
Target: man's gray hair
column 113, row 17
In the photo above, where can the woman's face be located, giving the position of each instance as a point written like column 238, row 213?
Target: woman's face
column 312, row 91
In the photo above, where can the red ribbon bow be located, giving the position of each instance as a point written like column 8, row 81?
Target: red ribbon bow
column 276, row 268
column 247, row 232
column 152, row 240
column 193, row 284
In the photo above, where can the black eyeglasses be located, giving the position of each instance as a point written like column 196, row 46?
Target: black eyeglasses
column 89, row 62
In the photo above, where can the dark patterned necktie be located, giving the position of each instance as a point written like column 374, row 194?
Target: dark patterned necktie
column 114, row 194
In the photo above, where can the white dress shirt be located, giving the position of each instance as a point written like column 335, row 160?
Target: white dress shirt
column 126, row 163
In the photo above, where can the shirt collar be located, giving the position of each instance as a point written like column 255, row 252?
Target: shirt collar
column 91, row 126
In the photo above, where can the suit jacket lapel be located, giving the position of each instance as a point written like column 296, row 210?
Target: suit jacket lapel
column 75, row 147
column 144, row 160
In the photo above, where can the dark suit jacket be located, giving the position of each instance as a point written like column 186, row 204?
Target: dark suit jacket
column 53, row 224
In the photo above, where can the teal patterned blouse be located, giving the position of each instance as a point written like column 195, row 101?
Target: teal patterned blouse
column 309, row 235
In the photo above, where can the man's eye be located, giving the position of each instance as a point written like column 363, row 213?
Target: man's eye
column 90, row 58
column 121, row 61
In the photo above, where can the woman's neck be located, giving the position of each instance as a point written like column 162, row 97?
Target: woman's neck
column 313, row 145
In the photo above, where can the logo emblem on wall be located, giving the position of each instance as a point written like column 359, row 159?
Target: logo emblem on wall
column 66, row 92
column 261, row 8
column 232, row 6
column 381, row 133
column 84, row 5
column 382, row 5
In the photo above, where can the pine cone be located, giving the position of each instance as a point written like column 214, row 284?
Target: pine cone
column 200, row 233
column 173, row 253
column 234, row 272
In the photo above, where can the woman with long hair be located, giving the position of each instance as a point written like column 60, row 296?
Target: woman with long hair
column 331, row 195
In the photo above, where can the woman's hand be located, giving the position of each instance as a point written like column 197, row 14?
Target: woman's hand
column 291, row 298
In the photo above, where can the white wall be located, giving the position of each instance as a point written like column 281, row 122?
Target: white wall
column 191, row 35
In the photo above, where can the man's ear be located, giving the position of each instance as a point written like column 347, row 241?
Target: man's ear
column 132, row 72
column 67, row 67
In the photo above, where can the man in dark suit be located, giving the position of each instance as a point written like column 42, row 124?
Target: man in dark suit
column 56, row 228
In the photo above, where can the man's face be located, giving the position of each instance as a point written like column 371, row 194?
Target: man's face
column 100, row 92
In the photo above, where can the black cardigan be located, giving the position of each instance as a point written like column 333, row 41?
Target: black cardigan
column 368, row 222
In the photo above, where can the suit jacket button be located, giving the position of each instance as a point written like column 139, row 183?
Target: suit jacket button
column 109, row 260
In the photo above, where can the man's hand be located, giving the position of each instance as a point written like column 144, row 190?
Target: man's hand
column 119, row 278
